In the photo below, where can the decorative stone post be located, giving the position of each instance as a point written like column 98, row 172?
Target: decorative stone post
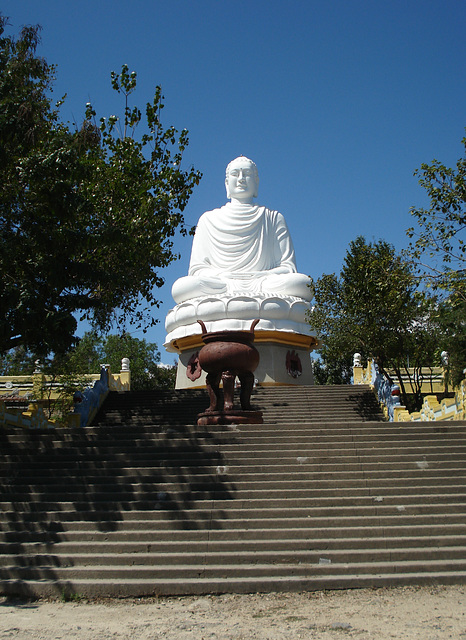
column 358, row 372
column 38, row 381
column 445, row 356
column 125, row 374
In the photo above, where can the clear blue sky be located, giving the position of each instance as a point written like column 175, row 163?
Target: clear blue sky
column 337, row 102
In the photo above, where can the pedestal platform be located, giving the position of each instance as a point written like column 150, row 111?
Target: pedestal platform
column 284, row 360
column 283, row 337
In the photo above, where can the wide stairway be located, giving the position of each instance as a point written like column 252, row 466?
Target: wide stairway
column 278, row 404
column 323, row 495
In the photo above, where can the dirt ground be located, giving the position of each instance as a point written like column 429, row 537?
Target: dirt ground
column 406, row 613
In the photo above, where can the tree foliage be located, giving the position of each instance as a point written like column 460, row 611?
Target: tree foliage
column 87, row 214
column 438, row 250
column 16, row 362
column 439, row 243
column 375, row 309
column 88, row 354
column 332, row 367
column 146, row 371
column 452, row 319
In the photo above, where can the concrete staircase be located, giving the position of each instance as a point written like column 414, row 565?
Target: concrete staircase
column 316, row 404
column 278, row 404
column 145, row 503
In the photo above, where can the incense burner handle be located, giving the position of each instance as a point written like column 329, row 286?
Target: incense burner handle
column 254, row 324
column 204, row 329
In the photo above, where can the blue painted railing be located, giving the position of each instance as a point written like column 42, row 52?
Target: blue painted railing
column 88, row 402
column 387, row 392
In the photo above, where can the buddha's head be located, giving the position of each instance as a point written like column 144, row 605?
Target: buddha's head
column 242, row 179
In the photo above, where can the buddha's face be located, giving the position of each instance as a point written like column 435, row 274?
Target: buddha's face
column 241, row 183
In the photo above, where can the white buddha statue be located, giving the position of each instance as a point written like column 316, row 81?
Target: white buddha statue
column 242, row 247
column 242, row 267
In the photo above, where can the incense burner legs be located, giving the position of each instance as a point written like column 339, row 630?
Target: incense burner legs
column 228, row 355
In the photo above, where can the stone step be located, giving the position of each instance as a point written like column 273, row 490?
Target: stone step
column 335, row 438
column 229, row 451
column 249, row 462
column 274, row 393
column 402, row 430
column 225, row 571
column 386, row 442
column 364, row 499
column 213, row 529
column 62, row 511
column 117, row 476
column 301, row 468
column 153, row 455
column 422, row 458
column 245, row 449
column 233, row 516
column 296, row 420
column 322, row 546
column 312, row 482
column 356, row 485
column 35, row 500
column 239, row 556
column 136, row 587
column 166, row 493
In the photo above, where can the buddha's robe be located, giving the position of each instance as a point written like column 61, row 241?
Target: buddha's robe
column 242, row 248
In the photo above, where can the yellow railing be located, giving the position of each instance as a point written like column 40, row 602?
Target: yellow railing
column 433, row 410
column 453, row 408
column 31, row 389
column 432, row 378
column 32, row 418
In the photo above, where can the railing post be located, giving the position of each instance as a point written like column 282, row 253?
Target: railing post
column 445, row 357
column 125, row 374
column 358, row 371
column 38, row 381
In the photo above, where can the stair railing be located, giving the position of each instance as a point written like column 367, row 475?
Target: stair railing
column 387, row 392
column 432, row 410
column 88, row 402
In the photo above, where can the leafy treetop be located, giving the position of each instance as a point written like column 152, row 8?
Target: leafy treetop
column 88, row 214
column 89, row 353
column 373, row 308
column 438, row 251
column 439, row 244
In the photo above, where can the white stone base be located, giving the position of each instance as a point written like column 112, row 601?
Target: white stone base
column 236, row 313
column 272, row 369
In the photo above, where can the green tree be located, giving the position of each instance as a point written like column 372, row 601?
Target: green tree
column 332, row 367
column 17, row 362
column 143, row 356
column 374, row 308
column 89, row 353
column 438, row 250
column 86, row 356
column 452, row 318
column 438, row 247
column 88, row 214
column 146, row 371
